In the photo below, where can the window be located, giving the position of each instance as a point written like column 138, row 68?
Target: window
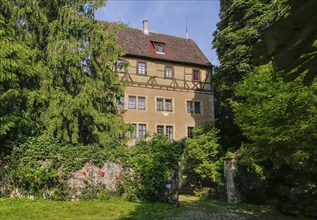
column 142, row 130
column 159, row 104
column 169, row 132
column 137, row 101
column 120, row 66
column 190, row 107
column 194, row 107
column 141, row 103
column 159, row 47
column 132, row 134
column 196, row 75
column 190, row 132
column 160, row 129
column 164, row 104
column 120, row 102
column 168, row 105
column 132, row 102
column 141, row 68
column 197, row 107
column 169, row 72
column 138, row 131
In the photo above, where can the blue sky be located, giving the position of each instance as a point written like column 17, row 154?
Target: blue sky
column 169, row 17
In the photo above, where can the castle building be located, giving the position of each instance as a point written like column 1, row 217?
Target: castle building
column 169, row 87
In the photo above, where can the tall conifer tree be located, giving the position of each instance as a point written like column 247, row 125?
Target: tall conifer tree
column 76, row 87
column 19, row 74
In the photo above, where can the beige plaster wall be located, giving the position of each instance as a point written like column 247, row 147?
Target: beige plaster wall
column 179, row 118
column 180, row 90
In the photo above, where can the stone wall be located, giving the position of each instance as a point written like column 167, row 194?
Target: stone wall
column 230, row 169
column 105, row 176
column 89, row 176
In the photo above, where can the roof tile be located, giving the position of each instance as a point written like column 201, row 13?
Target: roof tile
column 177, row 49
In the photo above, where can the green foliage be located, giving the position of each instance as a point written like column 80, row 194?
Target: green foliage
column 129, row 186
column 291, row 43
column 39, row 166
column 18, row 78
column 107, row 195
column 33, row 167
column 153, row 163
column 241, row 25
column 203, row 154
column 56, row 72
column 279, row 118
column 251, row 179
column 82, row 87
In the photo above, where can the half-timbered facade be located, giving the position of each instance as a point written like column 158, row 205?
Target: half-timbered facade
column 169, row 89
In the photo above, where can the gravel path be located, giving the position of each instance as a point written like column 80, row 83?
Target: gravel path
column 201, row 214
column 199, row 211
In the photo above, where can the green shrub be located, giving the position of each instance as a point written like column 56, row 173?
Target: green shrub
column 153, row 163
column 202, row 155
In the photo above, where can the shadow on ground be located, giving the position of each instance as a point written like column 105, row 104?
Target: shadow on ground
column 193, row 208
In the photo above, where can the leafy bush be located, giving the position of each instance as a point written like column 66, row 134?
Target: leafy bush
column 202, row 154
column 153, row 163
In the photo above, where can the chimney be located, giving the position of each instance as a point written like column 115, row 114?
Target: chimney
column 146, row 27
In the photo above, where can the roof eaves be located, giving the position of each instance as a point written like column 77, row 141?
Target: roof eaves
column 207, row 65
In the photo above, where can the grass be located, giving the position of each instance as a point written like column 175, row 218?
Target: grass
column 113, row 209
column 118, row 209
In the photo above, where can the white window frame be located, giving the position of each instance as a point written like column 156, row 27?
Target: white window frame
column 168, row 134
column 141, row 70
column 169, row 72
column 159, row 47
column 129, row 100
column 170, row 109
column 144, row 101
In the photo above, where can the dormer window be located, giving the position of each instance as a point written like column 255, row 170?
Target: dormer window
column 159, row 47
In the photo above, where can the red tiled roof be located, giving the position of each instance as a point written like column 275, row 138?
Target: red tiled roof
column 177, row 49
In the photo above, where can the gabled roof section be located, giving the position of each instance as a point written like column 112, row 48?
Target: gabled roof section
column 176, row 49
